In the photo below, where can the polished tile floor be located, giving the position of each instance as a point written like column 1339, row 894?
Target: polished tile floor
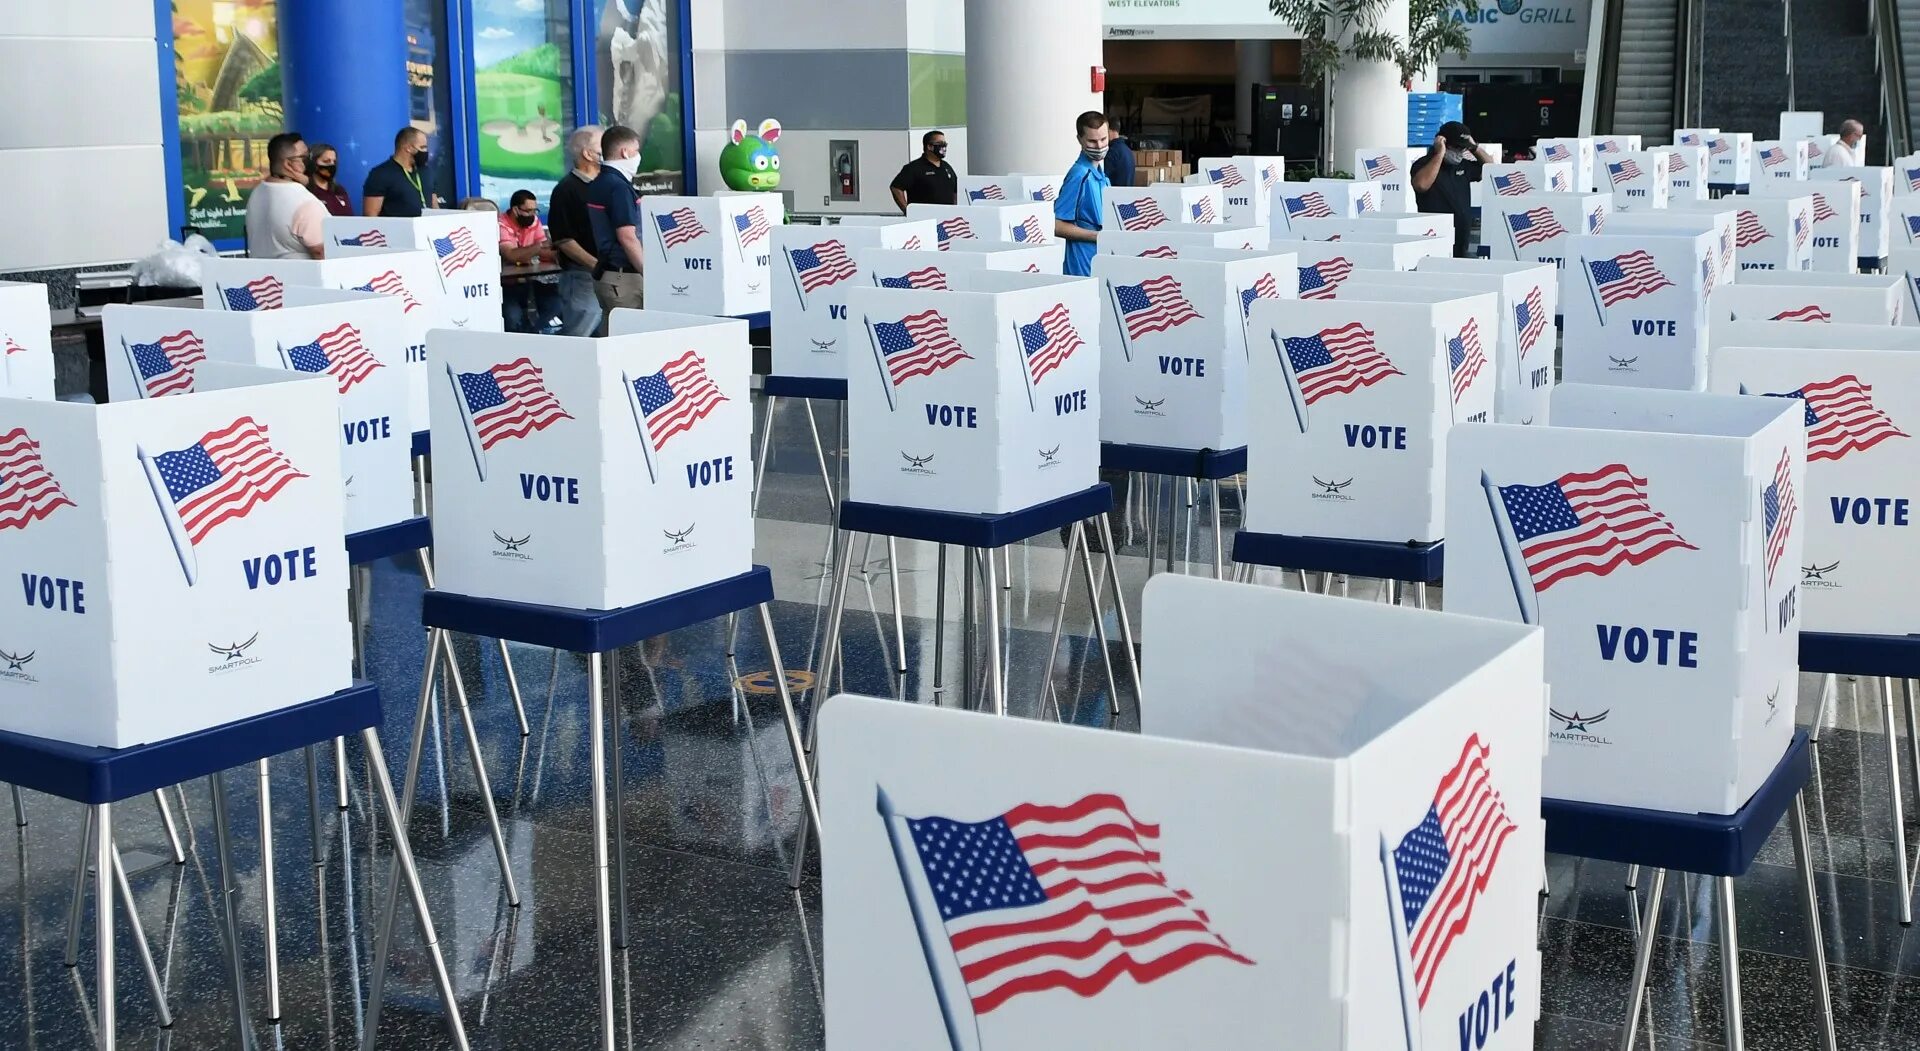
column 722, row 953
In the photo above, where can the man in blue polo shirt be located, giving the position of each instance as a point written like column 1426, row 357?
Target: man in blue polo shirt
column 1076, row 211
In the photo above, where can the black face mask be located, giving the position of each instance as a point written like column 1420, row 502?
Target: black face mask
column 524, row 220
column 326, row 171
column 420, row 161
column 940, row 150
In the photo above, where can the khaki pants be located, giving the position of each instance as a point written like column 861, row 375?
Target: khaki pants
column 617, row 289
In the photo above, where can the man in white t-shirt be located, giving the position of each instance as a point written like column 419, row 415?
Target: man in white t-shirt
column 1845, row 152
column 284, row 217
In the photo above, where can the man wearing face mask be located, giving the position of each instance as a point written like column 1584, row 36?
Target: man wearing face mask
column 531, row 303
column 394, row 189
column 1076, row 211
column 283, row 219
column 572, row 232
column 613, row 210
column 1443, row 179
column 928, row 179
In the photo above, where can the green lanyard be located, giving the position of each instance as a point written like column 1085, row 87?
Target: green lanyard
column 414, row 178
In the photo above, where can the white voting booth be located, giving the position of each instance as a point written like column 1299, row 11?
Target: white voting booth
column 1613, row 145
column 813, row 268
column 1636, row 180
column 1522, row 177
column 1775, row 160
column 1145, row 207
column 1419, row 224
column 1765, row 295
column 1524, row 355
column 1860, row 405
column 465, row 246
column 1393, row 738
column 26, row 341
column 1321, row 266
column 353, row 340
column 245, row 285
column 1174, row 344
column 1578, row 153
column 1906, row 175
column 1656, row 536
column 1683, row 221
column 1729, row 159
column 710, row 255
column 1533, row 228
column 1361, row 393
column 1686, row 170
column 1392, row 168
column 1026, row 224
column 1836, row 220
column 1904, row 263
column 1167, row 240
column 982, row 398
column 992, row 189
column 1246, row 186
column 1634, row 310
column 183, row 559
column 1769, row 233
column 1294, row 202
column 919, row 268
column 592, row 473
column 1876, row 205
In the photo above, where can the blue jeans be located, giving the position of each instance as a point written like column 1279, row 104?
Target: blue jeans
column 531, row 305
column 580, row 312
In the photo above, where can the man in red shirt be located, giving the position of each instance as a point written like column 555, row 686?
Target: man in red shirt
column 533, row 303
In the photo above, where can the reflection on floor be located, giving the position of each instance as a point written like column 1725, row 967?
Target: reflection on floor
column 723, row 953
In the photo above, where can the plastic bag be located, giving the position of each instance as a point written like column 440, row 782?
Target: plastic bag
column 174, row 265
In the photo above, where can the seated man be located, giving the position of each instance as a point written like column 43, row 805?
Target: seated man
column 532, row 304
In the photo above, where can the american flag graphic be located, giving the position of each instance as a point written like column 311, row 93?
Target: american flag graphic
column 1689, row 139
column 1161, row 252
column 1380, row 167
column 1800, row 225
column 912, row 244
column 823, row 264
column 1717, row 146
column 1029, row 232
column 11, row 347
column 1534, row 226
column 1706, row 275
column 678, row 227
column 1465, row 360
column 751, row 225
column 1143, row 214
column 259, row 294
column 1822, row 211
column 1203, row 210
column 1263, row 288
column 389, row 284
column 1530, row 320
column 1308, row 205
column 1336, row 361
column 675, row 398
column 950, row 229
column 1558, row 181
column 1772, row 157
column 988, row 193
column 1512, row 185
column 1596, row 221
column 1676, row 163
column 1606, row 146
column 925, row 277
column 1841, row 418
column 1628, row 276
column 1153, row 305
column 1587, row 523
column 338, row 353
column 1269, row 176
column 1056, row 897
column 370, row 239
column 1365, row 204
column 1913, row 179
column 1913, row 227
column 166, row 364
column 1557, row 152
column 456, row 251
column 1747, row 229
column 223, row 476
column 1442, row 865
column 1226, row 178
column 1048, row 342
column 1322, row 279
column 28, row 491
column 509, row 401
column 1044, row 193
column 917, row 345
column 1778, row 505
column 1623, row 171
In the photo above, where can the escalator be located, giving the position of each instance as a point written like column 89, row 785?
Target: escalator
column 1640, row 86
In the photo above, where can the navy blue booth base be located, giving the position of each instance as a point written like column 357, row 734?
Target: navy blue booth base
column 1892, row 656
column 101, row 777
column 813, row 388
column 1872, row 264
column 1718, row 845
column 1384, row 560
column 976, row 530
column 1722, row 189
column 759, row 320
column 398, row 538
column 597, row 633
column 422, row 444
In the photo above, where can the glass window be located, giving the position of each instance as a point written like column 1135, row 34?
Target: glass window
column 428, row 88
column 523, row 95
column 637, row 50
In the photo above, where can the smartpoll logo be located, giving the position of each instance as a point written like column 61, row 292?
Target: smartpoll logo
column 16, row 667
column 1335, row 491
column 1577, row 729
column 1623, row 364
column 1143, row 407
column 677, row 541
column 1049, row 458
column 510, row 547
column 1819, row 576
column 233, row 655
column 917, row 464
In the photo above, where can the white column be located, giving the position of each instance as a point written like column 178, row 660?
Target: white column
column 1253, row 64
column 1029, row 66
column 1369, row 101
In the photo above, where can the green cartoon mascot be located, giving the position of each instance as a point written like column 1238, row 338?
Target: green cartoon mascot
column 752, row 162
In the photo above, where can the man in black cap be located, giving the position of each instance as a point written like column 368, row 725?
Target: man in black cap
column 1442, row 180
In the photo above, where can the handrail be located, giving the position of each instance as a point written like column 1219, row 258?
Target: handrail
column 1891, row 66
column 1685, row 25
column 1598, row 92
column 1787, row 19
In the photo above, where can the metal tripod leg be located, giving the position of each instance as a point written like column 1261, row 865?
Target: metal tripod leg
column 1100, row 621
column 808, row 793
column 230, row 922
column 820, row 453
column 103, row 862
column 267, row 893
column 513, row 688
column 939, row 625
column 1816, row 944
column 1219, row 535
column 1900, row 867
column 140, row 942
column 1120, row 606
column 603, row 920
column 1643, row 959
column 617, row 795
column 173, row 828
column 760, row 464
column 1060, row 616
column 899, row 619
column 997, row 683
column 1730, row 966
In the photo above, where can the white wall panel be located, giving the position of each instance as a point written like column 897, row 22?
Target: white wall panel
column 88, row 206
column 78, row 18
column 815, row 25
column 710, row 90
column 75, row 92
column 936, row 25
